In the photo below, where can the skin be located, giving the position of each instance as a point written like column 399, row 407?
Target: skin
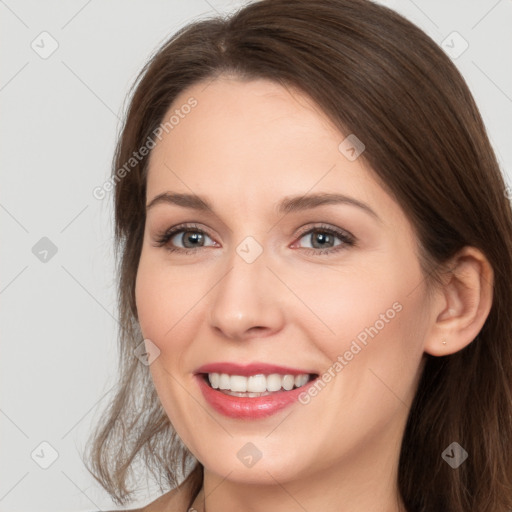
column 245, row 146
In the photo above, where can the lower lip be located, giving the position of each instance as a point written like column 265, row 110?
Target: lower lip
column 246, row 407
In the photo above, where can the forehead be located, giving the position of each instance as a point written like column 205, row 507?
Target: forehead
column 249, row 143
column 231, row 114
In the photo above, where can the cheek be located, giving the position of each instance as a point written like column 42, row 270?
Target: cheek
column 349, row 303
column 169, row 300
column 160, row 300
column 163, row 299
column 148, row 299
column 375, row 318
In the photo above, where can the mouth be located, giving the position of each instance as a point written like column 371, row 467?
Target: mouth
column 254, row 386
column 253, row 391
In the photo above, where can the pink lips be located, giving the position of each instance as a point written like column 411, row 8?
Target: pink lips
column 249, row 369
column 247, row 407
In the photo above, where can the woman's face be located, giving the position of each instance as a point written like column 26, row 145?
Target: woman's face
column 272, row 281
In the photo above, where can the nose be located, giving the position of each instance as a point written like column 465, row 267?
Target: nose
column 248, row 301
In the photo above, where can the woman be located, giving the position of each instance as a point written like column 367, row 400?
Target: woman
column 369, row 369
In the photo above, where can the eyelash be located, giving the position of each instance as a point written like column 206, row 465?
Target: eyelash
column 347, row 239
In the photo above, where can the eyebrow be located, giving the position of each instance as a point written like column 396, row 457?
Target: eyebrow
column 287, row 205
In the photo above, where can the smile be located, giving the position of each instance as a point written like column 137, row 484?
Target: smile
column 256, row 385
column 254, row 391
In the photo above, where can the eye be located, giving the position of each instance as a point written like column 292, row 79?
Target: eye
column 189, row 235
column 322, row 238
column 193, row 238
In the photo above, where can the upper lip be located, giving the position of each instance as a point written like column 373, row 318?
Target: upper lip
column 250, row 369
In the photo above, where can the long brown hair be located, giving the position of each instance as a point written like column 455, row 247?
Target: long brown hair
column 376, row 75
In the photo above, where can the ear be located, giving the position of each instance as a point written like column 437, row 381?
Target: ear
column 462, row 304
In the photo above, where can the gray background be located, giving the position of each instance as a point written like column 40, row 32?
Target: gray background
column 60, row 117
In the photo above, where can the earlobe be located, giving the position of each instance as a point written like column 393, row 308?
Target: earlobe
column 462, row 305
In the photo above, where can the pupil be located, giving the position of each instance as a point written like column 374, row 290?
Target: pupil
column 323, row 236
column 193, row 235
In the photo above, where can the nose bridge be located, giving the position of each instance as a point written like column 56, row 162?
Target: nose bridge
column 245, row 297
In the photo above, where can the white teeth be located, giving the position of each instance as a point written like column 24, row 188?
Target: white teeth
column 300, row 380
column 214, row 380
column 237, row 383
column 256, row 383
column 224, row 381
column 274, row 382
column 288, row 382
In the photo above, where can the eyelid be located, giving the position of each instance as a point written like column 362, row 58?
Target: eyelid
column 347, row 238
column 164, row 236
